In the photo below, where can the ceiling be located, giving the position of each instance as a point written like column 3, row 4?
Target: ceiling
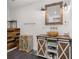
column 15, row 3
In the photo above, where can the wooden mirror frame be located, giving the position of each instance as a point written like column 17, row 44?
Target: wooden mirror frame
column 61, row 11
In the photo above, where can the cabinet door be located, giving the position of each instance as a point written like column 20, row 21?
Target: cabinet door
column 41, row 47
column 63, row 50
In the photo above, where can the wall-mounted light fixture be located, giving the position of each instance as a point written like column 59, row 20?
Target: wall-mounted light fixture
column 66, row 5
column 43, row 8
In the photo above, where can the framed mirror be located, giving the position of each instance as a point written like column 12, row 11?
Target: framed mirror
column 54, row 13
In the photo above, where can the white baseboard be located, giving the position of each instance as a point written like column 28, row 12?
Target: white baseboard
column 12, row 49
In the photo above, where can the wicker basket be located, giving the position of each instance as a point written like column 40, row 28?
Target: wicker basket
column 53, row 34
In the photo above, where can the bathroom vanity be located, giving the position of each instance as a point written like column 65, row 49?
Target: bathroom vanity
column 59, row 47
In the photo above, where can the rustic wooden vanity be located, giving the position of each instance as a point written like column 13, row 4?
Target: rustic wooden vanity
column 59, row 47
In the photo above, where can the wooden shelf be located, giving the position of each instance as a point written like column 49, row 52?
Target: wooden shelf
column 13, row 35
column 52, row 51
column 10, row 40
